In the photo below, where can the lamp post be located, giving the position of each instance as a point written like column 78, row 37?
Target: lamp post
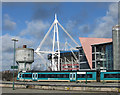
column 14, row 40
column 24, row 68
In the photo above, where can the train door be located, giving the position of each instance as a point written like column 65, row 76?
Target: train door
column 35, row 76
column 72, row 76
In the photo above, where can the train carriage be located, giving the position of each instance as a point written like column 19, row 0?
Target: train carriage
column 110, row 76
column 86, row 76
column 69, row 76
column 56, row 76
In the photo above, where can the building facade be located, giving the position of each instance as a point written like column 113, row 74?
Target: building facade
column 94, row 54
column 68, row 60
column 102, row 56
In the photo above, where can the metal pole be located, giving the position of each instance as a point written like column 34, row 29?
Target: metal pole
column 24, row 73
column 13, row 66
column 103, row 67
column 24, row 68
column 103, row 76
column 13, row 39
column 86, row 78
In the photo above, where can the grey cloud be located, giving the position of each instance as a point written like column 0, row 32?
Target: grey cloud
column 8, row 24
column 74, row 23
column 84, row 28
column 43, row 12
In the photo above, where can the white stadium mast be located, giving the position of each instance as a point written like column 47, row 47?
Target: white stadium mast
column 55, row 65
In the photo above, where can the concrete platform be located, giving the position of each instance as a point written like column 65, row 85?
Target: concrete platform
column 65, row 86
column 53, row 92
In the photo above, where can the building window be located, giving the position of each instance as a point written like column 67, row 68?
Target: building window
column 93, row 49
column 93, row 65
column 93, row 56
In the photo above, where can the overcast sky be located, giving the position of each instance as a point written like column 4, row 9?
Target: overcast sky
column 29, row 22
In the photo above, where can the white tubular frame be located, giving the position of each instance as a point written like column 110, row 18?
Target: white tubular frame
column 55, row 67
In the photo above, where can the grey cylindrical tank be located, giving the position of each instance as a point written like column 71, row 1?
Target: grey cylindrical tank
column 116, row 46
column 24, row 55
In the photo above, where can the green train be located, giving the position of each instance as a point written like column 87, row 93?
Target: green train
column 69, row 76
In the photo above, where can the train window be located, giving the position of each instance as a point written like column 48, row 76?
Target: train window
column 50, row 76
column 80, row 75
column 73, row 75
column 42, row 75
column 33, row 75
column 70, row 75
column 53, row 75
column 118, row 75
column 58, row 75
column 65, row 75
column 84, row 75
column 47, row 76
column 27, row 75
column 89, row 75
column 39, row 75
column 20, row 76
column 111, row 75
column 36, row 76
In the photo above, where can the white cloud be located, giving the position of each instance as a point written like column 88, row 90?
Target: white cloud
column 39, row 63
column 70, row 25
column 105, row 24
column 8, row 24
column 35, row 28
column 7, row 44
column 7, row 49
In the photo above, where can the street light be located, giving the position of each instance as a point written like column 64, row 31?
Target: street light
column 14, row 40
column 24, row 68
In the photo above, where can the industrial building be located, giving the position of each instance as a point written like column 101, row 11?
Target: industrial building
column 94, row 54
